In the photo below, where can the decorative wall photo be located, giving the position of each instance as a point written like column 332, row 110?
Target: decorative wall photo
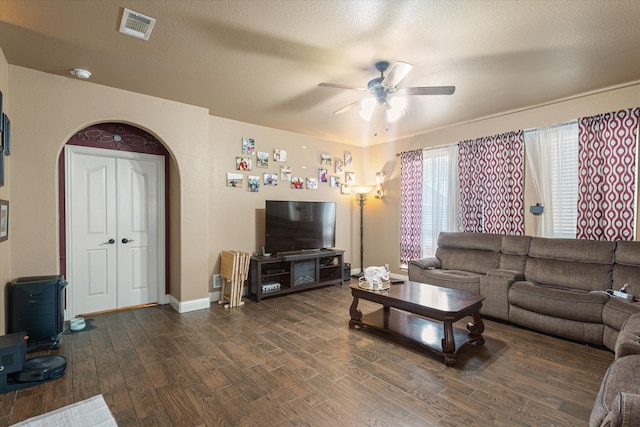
column 253, row 183
column 285, row 173
column 270, row 178
column 297, row 183
column 4, row 220
column 279, row 155
column 235, row 179
column 349, row 178
column 248, row 146
column 325, row 159
column 312, row 183
column 334, row 182
column 339, row 165
column 345, row 189
column 262, row 159
column 322, row 174
column 348, row 159
column 243, row 163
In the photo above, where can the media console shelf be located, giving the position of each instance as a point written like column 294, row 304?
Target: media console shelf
column 294, row 271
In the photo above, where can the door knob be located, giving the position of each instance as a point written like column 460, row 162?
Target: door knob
column 108, row 242
column 125, row 240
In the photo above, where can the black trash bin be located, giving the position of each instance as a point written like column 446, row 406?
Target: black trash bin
column 36, row 307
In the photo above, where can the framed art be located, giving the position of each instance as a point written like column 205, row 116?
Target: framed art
column 235, row 180
column 248, row 146
column 1, row 113
column 6, row 134
column 243, row 163
column 1, row 169
column 4, row 220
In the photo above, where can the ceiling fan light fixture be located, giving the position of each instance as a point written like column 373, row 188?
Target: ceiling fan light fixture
column 395, row 109
column 367, row 105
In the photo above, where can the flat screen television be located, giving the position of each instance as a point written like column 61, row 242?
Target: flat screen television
column 296, row 226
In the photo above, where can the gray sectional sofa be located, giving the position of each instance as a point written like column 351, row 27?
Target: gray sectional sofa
column 556, row 286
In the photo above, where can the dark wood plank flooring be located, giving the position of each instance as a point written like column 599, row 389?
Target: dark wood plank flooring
column 293, row 361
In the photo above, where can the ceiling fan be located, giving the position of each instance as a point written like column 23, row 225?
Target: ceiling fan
column 384, row 91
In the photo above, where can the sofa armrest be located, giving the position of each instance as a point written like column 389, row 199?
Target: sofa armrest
column 625, row 411
column 426, row 263
column 628, row 341
column 506, row 274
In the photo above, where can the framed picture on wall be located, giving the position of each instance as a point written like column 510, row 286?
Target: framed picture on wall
column 4, row 220
column 6, row 134
column 1, row 113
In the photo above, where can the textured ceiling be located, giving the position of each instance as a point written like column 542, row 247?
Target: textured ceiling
column 261, row 61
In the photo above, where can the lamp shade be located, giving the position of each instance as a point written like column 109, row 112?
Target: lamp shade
column 367, row 106
column 362, row 189
column 395, row 108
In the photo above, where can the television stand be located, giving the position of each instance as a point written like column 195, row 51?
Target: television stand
column 295, row 271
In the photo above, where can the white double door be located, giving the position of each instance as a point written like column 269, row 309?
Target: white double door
column 115, row 229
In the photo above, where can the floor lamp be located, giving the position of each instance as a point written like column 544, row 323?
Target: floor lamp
column 361, row 198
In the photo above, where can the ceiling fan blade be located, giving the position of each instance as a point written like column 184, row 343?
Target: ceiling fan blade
column 398, row 71
column 428, row 90
column 338, row 86
column 347, row 107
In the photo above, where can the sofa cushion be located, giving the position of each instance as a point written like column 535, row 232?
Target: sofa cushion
column 514, row 252
column 571, row 263
column 468, row 260
column 476, row 241
column 619, row 379
column 453, row 279
column 585, row 332
column 564, row 303
column 575, row 250
column 627, row 267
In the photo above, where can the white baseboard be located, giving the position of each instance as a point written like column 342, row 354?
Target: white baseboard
column 187, row 306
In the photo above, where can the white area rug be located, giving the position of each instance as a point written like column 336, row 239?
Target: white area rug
column 91, row 412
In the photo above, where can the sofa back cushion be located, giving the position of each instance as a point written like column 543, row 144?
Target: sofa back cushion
column 475, row 252
column 627, row 268
column 514, row 252
column 571, row 263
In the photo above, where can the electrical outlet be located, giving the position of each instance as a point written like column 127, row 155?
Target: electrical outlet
column 386, row 266
column 217, row 282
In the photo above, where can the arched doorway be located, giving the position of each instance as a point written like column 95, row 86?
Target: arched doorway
column 116, row 147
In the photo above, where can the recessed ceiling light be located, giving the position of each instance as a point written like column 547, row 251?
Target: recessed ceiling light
column 80, row 73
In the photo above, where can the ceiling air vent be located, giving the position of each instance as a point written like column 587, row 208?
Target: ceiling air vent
column 136, row 24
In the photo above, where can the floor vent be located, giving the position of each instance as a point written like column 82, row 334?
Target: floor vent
column 136, row 24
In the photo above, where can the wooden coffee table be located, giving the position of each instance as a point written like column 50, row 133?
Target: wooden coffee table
column 423, row 314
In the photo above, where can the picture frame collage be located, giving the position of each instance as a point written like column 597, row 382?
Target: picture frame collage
column 331, row 171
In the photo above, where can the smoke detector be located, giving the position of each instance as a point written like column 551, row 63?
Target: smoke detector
column 136, row 24
column 80, row 73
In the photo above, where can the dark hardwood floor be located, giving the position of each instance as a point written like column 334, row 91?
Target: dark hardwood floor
column 292, row 360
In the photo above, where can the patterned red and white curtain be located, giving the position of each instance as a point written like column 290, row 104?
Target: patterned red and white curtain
column 492, row 184
column 607, row 185
column 411, row 205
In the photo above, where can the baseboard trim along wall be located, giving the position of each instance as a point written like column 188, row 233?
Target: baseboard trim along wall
column 187, row 306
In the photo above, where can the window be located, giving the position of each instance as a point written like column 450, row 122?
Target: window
column 552, row 154
column 439, row 195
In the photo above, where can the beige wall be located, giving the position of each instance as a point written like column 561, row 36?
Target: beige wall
column 46, row 111
column 236, row 215
column 5, row 194
column 385, row 219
